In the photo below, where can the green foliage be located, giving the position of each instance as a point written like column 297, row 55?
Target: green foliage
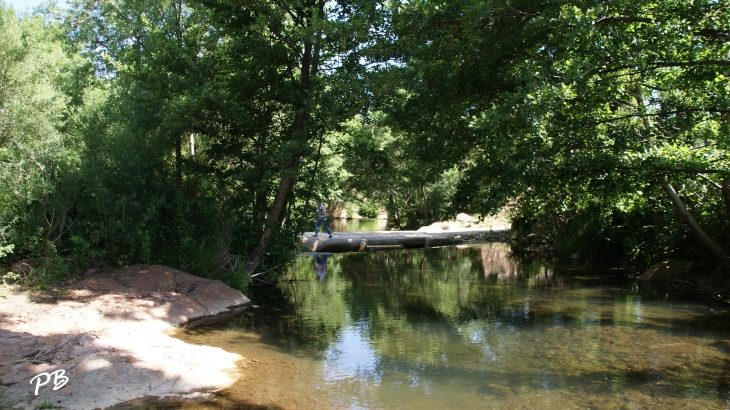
column 369, row 210
column 195, row 134
column 11, row 277
column 34, row 152
column 382, row 172
column 585, row 115
column 6, row 250
column 45, row 273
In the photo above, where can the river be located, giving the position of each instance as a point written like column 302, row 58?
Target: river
column 358, row 225
column 474, row 326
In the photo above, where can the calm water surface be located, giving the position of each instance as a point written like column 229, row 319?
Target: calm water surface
column 358, row 225
column 478, row 327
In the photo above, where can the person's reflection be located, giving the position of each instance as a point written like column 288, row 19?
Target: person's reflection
column 320, row 260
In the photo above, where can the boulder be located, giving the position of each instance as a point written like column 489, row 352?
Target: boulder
column 192, row 301
column 665, row 271
column 434, row 227
column 22, row 267
column 462, row 217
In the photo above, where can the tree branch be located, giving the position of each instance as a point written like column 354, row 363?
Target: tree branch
column 671, row 170
column 700, row 233
column 660, row 64
column 659, row 114
column 714, row 34
column 622, row 19
column 711, row 182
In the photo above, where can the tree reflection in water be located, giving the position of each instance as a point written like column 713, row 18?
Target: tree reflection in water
column 482, row 326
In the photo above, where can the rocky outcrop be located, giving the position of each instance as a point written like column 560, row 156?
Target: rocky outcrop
column 665, row 271
column 191, row 301
column 441, row 226
column 110, row 335
column 22, row 267
column 462, row 217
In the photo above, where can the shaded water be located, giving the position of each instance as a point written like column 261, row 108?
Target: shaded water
column 472, row 327
column 358, row 225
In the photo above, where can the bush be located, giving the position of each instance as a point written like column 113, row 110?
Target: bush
column 369, row 210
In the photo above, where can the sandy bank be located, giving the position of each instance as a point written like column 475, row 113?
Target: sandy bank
column 110, row 335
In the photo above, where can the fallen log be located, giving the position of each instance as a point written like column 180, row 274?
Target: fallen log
column 362, row 241
column 337, row 244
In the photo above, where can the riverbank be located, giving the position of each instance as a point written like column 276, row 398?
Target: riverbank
column 109, row 334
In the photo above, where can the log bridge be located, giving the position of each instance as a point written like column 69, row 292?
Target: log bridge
column 368, row 241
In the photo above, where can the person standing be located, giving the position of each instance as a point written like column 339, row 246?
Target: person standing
column 321, row 219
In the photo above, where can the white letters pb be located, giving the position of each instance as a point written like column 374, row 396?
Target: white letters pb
column 59, row 380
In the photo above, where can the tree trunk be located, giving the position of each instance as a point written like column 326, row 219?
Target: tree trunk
column 301, row 134
column 639, row 95
column 314, row 171
column 393, row 211
column 178, row 162
column 288, row 177
column 726, row 195
column 700, row 233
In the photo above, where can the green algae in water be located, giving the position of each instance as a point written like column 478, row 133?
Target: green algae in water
column 478, row 327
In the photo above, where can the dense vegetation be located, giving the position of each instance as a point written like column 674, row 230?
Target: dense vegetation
column 197, row 133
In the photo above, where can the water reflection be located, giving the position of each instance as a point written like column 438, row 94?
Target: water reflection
column 359, row 225
column 351, row 356
column 480, row 327
column 320, row 263
column 496, row 260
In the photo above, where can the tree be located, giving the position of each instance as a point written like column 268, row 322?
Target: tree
column 35, row 67
column 382, row 170
column 441, row 64
column 576, row 112
column 625, row 95
column 162, row 53
column 302, row 55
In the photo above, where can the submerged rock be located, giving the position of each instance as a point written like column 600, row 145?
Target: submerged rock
column 665, row 271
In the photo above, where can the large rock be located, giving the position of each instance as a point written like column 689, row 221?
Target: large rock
column 111, row 335
column 665, row 271
column 441, row 226
column 23, row 267
column 462, row 217
column 190, row 300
